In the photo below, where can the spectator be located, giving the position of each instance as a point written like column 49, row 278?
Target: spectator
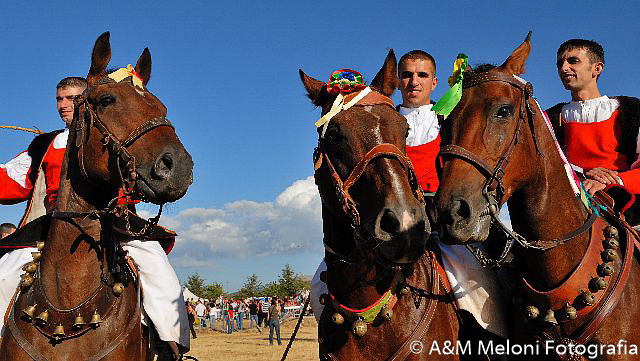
column 212, row 315
column 265, row 309
column 201, row 312
column 241, row 312
column 273, row 321
column 253, row 315
column 230, row 315
column 191, row 314
column 6, row 229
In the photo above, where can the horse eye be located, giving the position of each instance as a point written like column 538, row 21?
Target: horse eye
column 504, row 111
column 106, row 100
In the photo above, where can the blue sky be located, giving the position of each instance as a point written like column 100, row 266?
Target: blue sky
column 227, row 71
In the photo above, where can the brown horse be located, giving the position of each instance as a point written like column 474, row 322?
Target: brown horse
column 375, row 229
column 574, row 264
column 119, row 142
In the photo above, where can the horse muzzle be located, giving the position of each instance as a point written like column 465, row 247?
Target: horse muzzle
column 402, row 234
column 168, row 177
column 462, row 221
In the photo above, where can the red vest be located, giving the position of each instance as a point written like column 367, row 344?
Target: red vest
column 423, row 158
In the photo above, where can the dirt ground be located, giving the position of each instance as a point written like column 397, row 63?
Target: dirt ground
column 252, row 345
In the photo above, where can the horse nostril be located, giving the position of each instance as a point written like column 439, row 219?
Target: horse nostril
column 163, row 167
column 461, row 209
column 389, row 223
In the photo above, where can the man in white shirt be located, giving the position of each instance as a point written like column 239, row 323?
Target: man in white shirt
column 201, row 311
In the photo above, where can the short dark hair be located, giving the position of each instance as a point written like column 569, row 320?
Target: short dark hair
column 417, row 55
column 72, row 81
column 594, row 50
column 7, row 227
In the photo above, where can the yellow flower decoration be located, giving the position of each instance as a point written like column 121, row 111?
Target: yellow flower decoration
column 124, row 73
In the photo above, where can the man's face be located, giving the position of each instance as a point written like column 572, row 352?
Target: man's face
column 417, row 81
column 64, row 99
column 576, row 70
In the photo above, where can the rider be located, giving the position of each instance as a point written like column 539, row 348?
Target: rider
column 18, row 182
column 471, row 283
column 599, row 133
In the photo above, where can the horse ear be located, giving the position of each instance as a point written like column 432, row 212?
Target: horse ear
column 516, row 61
column 315, row 88
column 143, row 66
column 386, row 81
column 100, row 57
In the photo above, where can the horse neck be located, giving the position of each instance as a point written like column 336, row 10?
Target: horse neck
column 72, row 256
column 346, row 280
column 547, row 209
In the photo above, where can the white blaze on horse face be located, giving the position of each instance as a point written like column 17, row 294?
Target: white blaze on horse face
column 406, row 221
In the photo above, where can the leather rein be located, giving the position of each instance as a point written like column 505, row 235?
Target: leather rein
column 493, row 189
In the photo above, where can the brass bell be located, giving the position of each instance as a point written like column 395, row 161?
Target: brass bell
column 405, row 291
column 323, row 299
column 598, row 283
column 386, row 313
column 337, row 318
column 606, row 269
column 43, row 317
column 570, row 312
column 29, row 311
column 611, row 231
column 79, row 322
column 58, row 332
column 40, row 245
column 550, row 318
column 587, row 298
column 359, row 327
column 27, row 280
column 323, row 276
column 531, row 312
column 95, row 319
column 36, row 256
column 610, row 255
column 117, row 288
column 611, row 243
column 30, row 267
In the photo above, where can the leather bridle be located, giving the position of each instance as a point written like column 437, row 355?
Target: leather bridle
column 109, row 140
column 493, row 189
column 349, row 206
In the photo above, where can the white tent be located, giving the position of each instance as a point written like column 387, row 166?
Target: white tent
column 189, row 296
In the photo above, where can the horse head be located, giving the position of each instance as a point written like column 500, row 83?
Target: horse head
column 123, row 137
column 363, row 175
column 489, row 148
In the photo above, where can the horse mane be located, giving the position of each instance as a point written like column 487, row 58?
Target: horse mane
column 482, row 68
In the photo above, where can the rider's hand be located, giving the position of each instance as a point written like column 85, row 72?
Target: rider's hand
column 603, row 175
column 592, row 186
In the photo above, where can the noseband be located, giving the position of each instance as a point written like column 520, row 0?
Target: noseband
column 349, row 206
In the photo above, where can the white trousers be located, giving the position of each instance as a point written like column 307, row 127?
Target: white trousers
column 162, row 300
column 475, row 288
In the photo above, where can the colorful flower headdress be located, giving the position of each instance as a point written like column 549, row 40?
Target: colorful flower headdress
column 342, row 82
column 452, row 97
column 124, row 73
column 345, row 81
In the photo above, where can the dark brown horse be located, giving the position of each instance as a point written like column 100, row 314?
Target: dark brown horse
column 375, row 230
column 119, row 142
column 577, row 279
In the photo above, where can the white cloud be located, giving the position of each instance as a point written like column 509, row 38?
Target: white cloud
column 290, row 224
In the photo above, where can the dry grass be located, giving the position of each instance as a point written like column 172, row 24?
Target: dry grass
column 251, row 345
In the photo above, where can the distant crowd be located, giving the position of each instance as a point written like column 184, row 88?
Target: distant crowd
column 233, row 314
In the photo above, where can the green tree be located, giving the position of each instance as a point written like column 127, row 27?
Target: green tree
column 252, row 286
column 289, row 282
column 272, row 289
column 195, row 284
column 213, row 291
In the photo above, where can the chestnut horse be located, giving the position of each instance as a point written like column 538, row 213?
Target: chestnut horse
column 375, row 231
column 577, row 276
column 86, row 305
